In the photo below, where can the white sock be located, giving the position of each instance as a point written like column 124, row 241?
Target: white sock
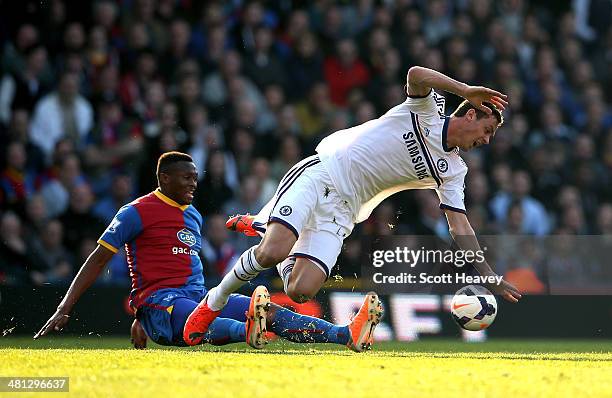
column 284, row 270
column 245, row 269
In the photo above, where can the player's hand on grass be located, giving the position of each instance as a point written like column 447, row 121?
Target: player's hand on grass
column 476, row 95
column 507, row 290
column 139, row 337
column 55, row 323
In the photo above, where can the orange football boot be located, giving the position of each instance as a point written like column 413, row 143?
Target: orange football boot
column 198, row 322
column 242, row 223
column 256, row 318
column 363, row 324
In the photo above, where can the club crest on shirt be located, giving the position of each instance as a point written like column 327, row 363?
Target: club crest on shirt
column 285, row 210
column 442, row 165
column 186, row 236
column 426, row 130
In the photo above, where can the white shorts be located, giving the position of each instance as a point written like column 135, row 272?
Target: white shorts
column 307, row 203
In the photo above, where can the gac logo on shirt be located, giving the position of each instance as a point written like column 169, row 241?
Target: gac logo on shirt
column 184, row 250
column 186, row 236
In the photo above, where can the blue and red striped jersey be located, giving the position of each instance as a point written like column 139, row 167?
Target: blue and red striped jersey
column 162, row 241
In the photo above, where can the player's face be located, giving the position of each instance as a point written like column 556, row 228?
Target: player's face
column 181, row 182
column 478, row 132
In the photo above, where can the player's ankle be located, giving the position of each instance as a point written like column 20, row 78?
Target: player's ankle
column 216, row 300
column 285, row 270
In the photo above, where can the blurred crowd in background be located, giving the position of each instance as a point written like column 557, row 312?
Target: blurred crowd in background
column 91, row 93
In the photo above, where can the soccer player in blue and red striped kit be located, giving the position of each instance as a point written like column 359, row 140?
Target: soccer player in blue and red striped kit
column 161, row 232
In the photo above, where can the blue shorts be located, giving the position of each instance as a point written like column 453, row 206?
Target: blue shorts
column 164, row 313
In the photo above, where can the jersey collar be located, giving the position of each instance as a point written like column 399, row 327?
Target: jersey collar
column 444, row 135
column 169, row 201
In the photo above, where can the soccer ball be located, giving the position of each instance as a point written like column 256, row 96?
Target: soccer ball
column 474, row 307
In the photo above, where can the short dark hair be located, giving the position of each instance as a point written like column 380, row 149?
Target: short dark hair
column 166, row 160
column 465, row 106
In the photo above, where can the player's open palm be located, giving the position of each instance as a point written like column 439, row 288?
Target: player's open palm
column 139, row 337
column 478, row 94
column 56, row 323
column 507, row 290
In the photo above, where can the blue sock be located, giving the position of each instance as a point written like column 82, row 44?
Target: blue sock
column 306, row 329
column 225, row 331
column 221, row 331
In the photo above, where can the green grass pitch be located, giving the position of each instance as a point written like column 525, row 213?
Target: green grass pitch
column 107, row 367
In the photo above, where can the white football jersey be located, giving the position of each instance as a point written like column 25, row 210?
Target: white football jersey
column 403, row 149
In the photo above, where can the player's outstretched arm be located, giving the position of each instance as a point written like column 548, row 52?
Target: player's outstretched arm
column 421, row 80
column 85, row 278
column 463, row 234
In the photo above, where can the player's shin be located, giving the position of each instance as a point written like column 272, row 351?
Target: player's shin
column 246, row 269
column 225, row 331
column 306, row 329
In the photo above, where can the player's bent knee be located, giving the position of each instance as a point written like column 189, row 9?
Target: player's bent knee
column 275, row 246
column 271, row 252
column 300, row 294
column 269, row 255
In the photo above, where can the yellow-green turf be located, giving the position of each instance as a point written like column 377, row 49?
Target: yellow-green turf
column 107, row 367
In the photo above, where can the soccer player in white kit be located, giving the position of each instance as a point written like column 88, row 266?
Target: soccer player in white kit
column 412, row 146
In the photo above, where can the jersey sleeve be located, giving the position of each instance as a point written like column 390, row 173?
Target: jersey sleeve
column 451, row 193
column 126, row 225
column 430, row 106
